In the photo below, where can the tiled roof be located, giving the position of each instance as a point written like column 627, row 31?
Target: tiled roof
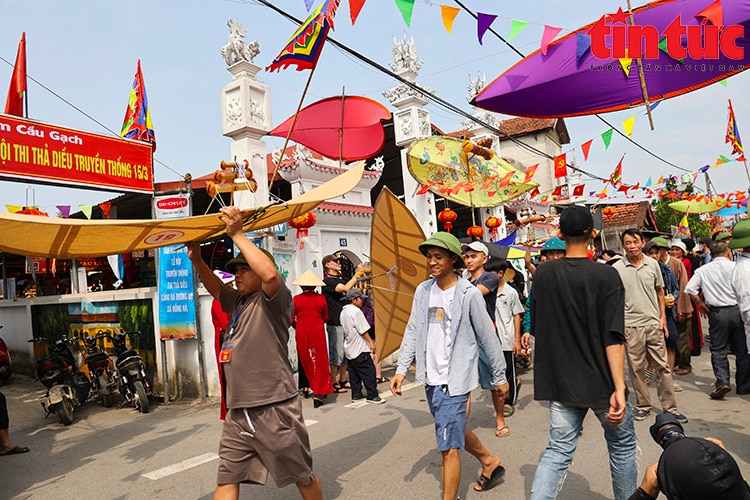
column 632, row 214
column 521, row 126
column 331, row 206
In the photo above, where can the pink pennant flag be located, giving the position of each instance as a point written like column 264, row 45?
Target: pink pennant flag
column 64, row 210
column 448, row 14
column 550, row 32
column 585, row 148
column 484, row 21
column 355, row 6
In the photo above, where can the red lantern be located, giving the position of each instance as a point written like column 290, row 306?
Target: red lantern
column 493, row 223
column 475, row 231
column 447, row 217
column 609, row 212
column 302, row 224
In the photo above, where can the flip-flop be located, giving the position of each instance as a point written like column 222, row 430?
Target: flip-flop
column 487, row 483
column 15, row 451
column 508, row 410
column 499, row 431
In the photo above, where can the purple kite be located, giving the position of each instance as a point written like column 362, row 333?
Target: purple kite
column 684, row 45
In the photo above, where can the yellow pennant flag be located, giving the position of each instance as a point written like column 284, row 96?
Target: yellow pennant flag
column 661, row 180
column 13, row 208
column 449, row 15
column 628, row 126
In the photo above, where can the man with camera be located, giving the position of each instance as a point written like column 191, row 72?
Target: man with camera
column 690, row 468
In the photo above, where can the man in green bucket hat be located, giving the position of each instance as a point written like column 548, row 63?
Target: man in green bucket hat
column 740, row 242
column 448, row 322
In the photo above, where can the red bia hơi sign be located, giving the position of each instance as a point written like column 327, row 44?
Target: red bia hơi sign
column 30, row 149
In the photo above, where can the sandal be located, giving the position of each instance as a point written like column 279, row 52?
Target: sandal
column 502, row 432
column 337, row 388
column 345, row 384
column 487, row 483
column 17, row 450
column 381, row 380
column 508, row 411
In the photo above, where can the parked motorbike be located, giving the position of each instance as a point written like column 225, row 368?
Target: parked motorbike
column 5, row 363
column 67, row 387
column 100, row 371
column 131, row 373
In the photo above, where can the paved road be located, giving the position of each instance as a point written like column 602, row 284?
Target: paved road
column 360, row 451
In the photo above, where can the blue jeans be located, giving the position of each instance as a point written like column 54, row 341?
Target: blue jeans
column 564, row 428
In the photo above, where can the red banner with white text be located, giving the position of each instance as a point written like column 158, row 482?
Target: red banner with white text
column 59, row 155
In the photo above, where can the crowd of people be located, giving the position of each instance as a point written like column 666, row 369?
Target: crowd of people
column 468, row 328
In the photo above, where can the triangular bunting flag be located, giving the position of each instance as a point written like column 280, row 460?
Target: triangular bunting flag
column 661, row 180
column 625, row 63
column 628, row 126
column 64, row 210
column 308, row 4
column 558, row 190
column 448, row 14
column 723, row 82
column 550, row 32
column 534, row 192
column 585, row 148
column 355, row 7
column 86, row 209
column 484, row 21
column 578, row 190
column 713, row 13
column 583, row 44
column 106, row 208
column 516, row 27
column 406, row 7
column 648, row 182
column 615, row 177
column 724, row 159
column 607, row 137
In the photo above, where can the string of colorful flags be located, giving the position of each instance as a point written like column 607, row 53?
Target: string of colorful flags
column 63, row 211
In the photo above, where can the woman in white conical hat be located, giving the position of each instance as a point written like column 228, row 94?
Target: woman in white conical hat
column 308, row 320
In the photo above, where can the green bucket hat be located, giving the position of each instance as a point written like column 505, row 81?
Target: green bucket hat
column 661, row 242
column 724, row 235
column 231, row 266
column 441, row 239
column 740, row 235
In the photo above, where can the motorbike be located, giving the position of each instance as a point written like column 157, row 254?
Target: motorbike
column 131, row 373
column 67, row 387
column 100, row 371
column 5, row 363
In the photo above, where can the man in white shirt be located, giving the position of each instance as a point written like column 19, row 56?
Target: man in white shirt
column 357, row 348
column 714, row 280
column 741, row 275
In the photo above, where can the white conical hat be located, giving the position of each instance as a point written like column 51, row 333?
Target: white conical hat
column 308, row 278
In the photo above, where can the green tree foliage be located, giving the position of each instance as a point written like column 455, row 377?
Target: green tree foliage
column 138, row 315
column 666, row 217
column 50, row 321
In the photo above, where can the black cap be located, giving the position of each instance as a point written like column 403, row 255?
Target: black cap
column 697, row 468
column 576, row 221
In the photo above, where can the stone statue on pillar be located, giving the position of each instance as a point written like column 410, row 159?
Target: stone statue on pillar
column 246, row 112
column 411, row 122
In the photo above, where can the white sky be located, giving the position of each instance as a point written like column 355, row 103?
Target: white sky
column 86, row 51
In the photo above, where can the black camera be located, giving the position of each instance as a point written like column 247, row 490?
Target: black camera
column 666, row 430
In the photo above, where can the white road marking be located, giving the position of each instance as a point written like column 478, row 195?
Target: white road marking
column 383, row 395
column 308, row 423
column 181, row 466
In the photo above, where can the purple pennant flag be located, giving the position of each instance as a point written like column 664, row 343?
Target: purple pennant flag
column 484, row 21
column 308, row 4
column 583, row 44
column 704, row 168
column 64, row 210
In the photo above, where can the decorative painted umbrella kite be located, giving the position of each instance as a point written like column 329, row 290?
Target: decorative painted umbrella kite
column 683, row 45
column 464, row 173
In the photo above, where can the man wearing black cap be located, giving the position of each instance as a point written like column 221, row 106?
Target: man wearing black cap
column 264, row 431
column 694, row 469
column 577, row 319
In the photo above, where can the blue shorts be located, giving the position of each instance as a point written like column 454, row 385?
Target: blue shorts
column 671, row 339
column 335, row 344
column 450, row 416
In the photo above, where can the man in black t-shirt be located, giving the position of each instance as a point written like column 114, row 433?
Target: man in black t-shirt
column 334, row 291
column 577, row 318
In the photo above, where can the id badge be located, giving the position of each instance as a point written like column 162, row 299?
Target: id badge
column 226, row 352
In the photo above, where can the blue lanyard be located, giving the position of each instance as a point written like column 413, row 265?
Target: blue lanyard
column 236, row 316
